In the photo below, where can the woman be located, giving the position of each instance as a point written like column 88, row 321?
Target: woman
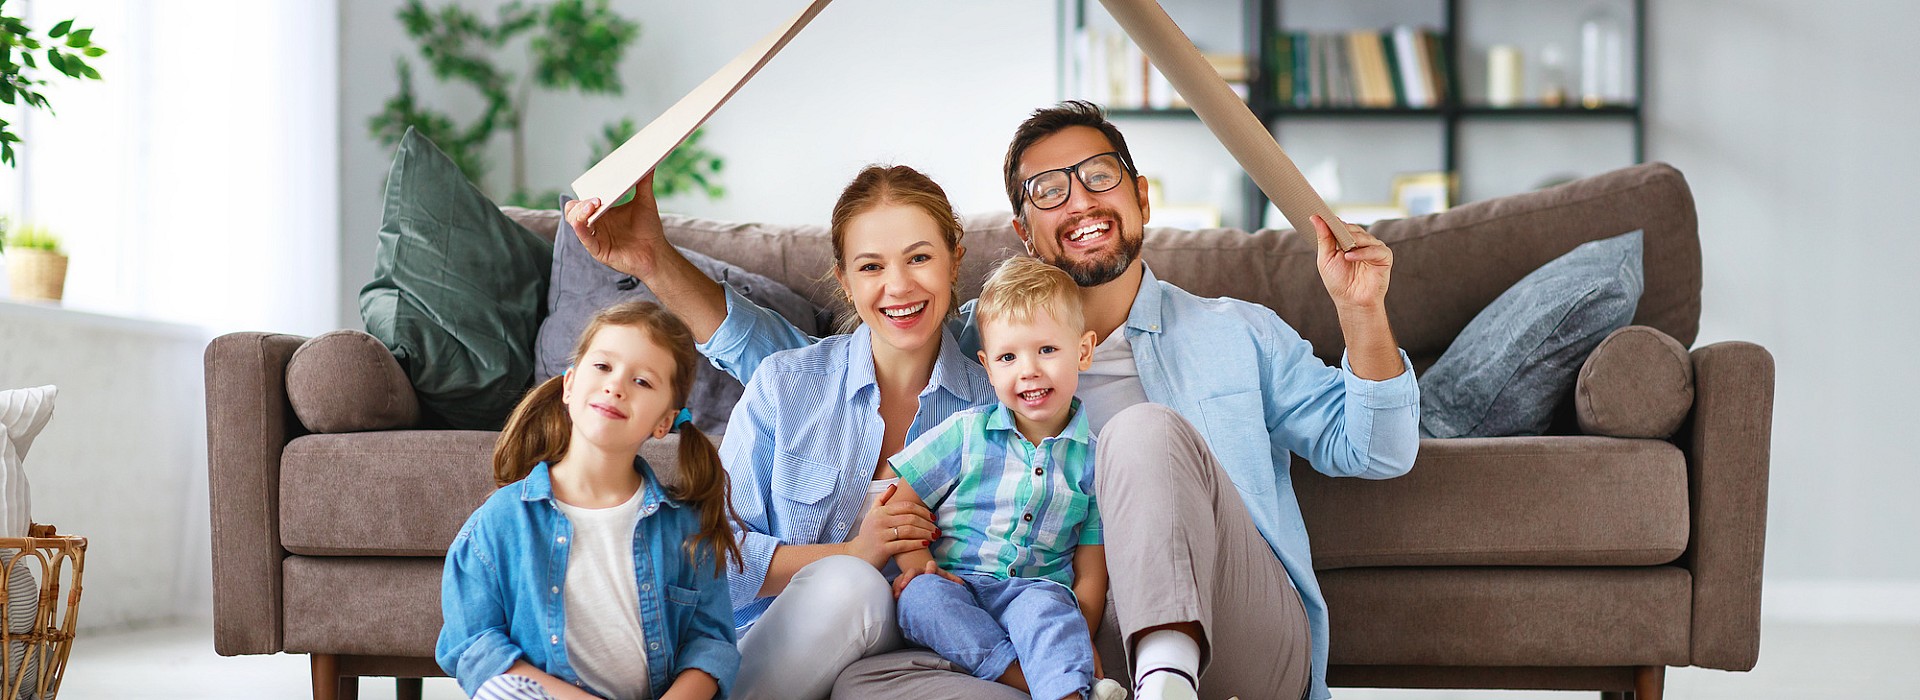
column 808, row 442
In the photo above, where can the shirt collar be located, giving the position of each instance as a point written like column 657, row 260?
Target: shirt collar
column 949, row 367
column 1000, row 418
column 1145, row 314
column 538, row 486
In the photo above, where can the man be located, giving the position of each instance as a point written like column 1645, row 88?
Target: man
column 1198, row 403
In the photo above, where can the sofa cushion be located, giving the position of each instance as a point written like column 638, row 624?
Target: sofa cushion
column 1505, row 617
column 347, row 381
column 580, row 286
column 457, row 290
column 1637, row 383
column 1517, row 360
column 1532, row 501
column 382, row 606
column 396, row 493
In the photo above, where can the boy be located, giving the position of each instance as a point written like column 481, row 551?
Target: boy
column 1011, row 488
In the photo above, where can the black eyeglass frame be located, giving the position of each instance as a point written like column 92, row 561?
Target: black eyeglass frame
column 1073, row 175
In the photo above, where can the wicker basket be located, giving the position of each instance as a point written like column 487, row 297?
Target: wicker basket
column 37, row 658
column 36, row 274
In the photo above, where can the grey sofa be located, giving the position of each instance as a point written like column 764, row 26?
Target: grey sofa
column 1568, row 561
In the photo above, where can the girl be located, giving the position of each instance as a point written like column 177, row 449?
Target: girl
column 808, row 443
column 584, row 576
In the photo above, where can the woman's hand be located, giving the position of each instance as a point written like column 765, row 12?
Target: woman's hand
column 900, row 582
column 891, row 529
column 627, row 238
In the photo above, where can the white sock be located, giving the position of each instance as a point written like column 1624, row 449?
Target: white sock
column 1165, row 649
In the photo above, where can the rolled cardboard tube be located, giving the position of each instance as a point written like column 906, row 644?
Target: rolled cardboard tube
column 1226, row 115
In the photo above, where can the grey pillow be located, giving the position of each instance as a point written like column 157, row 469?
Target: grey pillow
column 1517, row 360
column 581, row 286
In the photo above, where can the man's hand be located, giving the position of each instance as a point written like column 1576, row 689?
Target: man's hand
column 1357, row 279
column 628, row 236
column 891, row 529
column 900, row 582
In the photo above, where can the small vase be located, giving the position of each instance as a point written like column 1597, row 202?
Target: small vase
column 36, row 274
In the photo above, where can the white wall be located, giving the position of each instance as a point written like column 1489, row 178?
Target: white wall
column 123, row 462
column 935, row 85
column 1792, row 122
column 1794, row 125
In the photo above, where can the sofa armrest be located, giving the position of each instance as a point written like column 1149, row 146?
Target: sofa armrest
column 1728, row 450
column 248, row 425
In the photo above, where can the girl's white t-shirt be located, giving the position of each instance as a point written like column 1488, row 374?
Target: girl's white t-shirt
column 1112, row 383
column 875, row 489
column 604, row 639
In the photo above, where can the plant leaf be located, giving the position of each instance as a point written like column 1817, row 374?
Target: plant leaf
column 60, row 29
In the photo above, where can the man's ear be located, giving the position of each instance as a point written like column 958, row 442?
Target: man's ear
column 1140, row 192
column 1086, row 349
column 1026, row 237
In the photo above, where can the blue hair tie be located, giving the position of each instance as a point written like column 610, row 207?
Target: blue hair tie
column 683, row 418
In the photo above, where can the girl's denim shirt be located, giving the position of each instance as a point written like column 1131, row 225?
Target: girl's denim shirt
column 502, row 596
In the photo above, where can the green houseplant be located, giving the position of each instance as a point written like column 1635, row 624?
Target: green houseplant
column 572, row 44
column 36, row 266
column 64, row 49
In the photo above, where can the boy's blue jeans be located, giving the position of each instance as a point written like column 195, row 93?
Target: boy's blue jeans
column 989, row 623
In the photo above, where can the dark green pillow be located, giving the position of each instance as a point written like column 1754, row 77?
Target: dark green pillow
column 457, row 290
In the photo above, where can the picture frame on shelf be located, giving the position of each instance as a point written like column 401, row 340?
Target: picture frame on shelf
column 1419, row 194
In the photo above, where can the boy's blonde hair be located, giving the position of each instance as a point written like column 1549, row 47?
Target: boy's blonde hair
column 1020, row 287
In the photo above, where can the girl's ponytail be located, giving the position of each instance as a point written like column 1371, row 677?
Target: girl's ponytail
column 703, row 484
column 537, row 431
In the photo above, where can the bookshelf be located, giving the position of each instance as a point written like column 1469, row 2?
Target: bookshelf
column 1465, row 29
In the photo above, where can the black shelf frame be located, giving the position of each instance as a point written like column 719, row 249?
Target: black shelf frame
column 1267, row 106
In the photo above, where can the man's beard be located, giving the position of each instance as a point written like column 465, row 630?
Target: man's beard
column 1099, row 270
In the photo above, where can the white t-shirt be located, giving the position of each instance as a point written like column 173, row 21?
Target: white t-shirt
column 604, row 639
column 1112, row 383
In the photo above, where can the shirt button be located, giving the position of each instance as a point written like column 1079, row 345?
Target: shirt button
column 554, row 640
column 646, row 586
column 1036, row 471
column 1029, row 517
column 562, row 540
column 556, row 590
column 653, row 645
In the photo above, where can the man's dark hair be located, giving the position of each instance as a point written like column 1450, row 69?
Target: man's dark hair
column 1047, row 121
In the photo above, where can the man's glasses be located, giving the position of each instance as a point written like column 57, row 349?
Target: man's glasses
column 1098, row 174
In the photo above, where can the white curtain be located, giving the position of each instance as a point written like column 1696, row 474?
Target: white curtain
column 198, row 182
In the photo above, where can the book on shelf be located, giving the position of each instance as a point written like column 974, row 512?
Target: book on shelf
column 1400, row 66
column 1109, row 69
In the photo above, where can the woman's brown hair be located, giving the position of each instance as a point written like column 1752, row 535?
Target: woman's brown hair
column 892, row 184
column 540, row 429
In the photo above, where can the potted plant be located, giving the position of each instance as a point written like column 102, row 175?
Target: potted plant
column 36, row 267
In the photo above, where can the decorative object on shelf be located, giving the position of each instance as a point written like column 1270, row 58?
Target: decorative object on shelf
column 1603, row 58
column 1419, row 194
column 21, row 82
column 1503, row 76
column 36, row 266
column 572, row 44
column 1553, row 76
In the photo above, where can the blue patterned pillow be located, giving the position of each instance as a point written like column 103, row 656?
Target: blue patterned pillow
column 1517, row 360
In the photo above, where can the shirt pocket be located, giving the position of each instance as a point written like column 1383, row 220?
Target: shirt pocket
column 680, row 604
column 802, row 480
column 1236, row 431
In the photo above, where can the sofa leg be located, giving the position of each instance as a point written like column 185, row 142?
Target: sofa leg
column 1649, row 682
column 407, row 688
column 326, row 676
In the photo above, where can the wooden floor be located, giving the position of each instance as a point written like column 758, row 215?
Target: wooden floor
column 1797, row 661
